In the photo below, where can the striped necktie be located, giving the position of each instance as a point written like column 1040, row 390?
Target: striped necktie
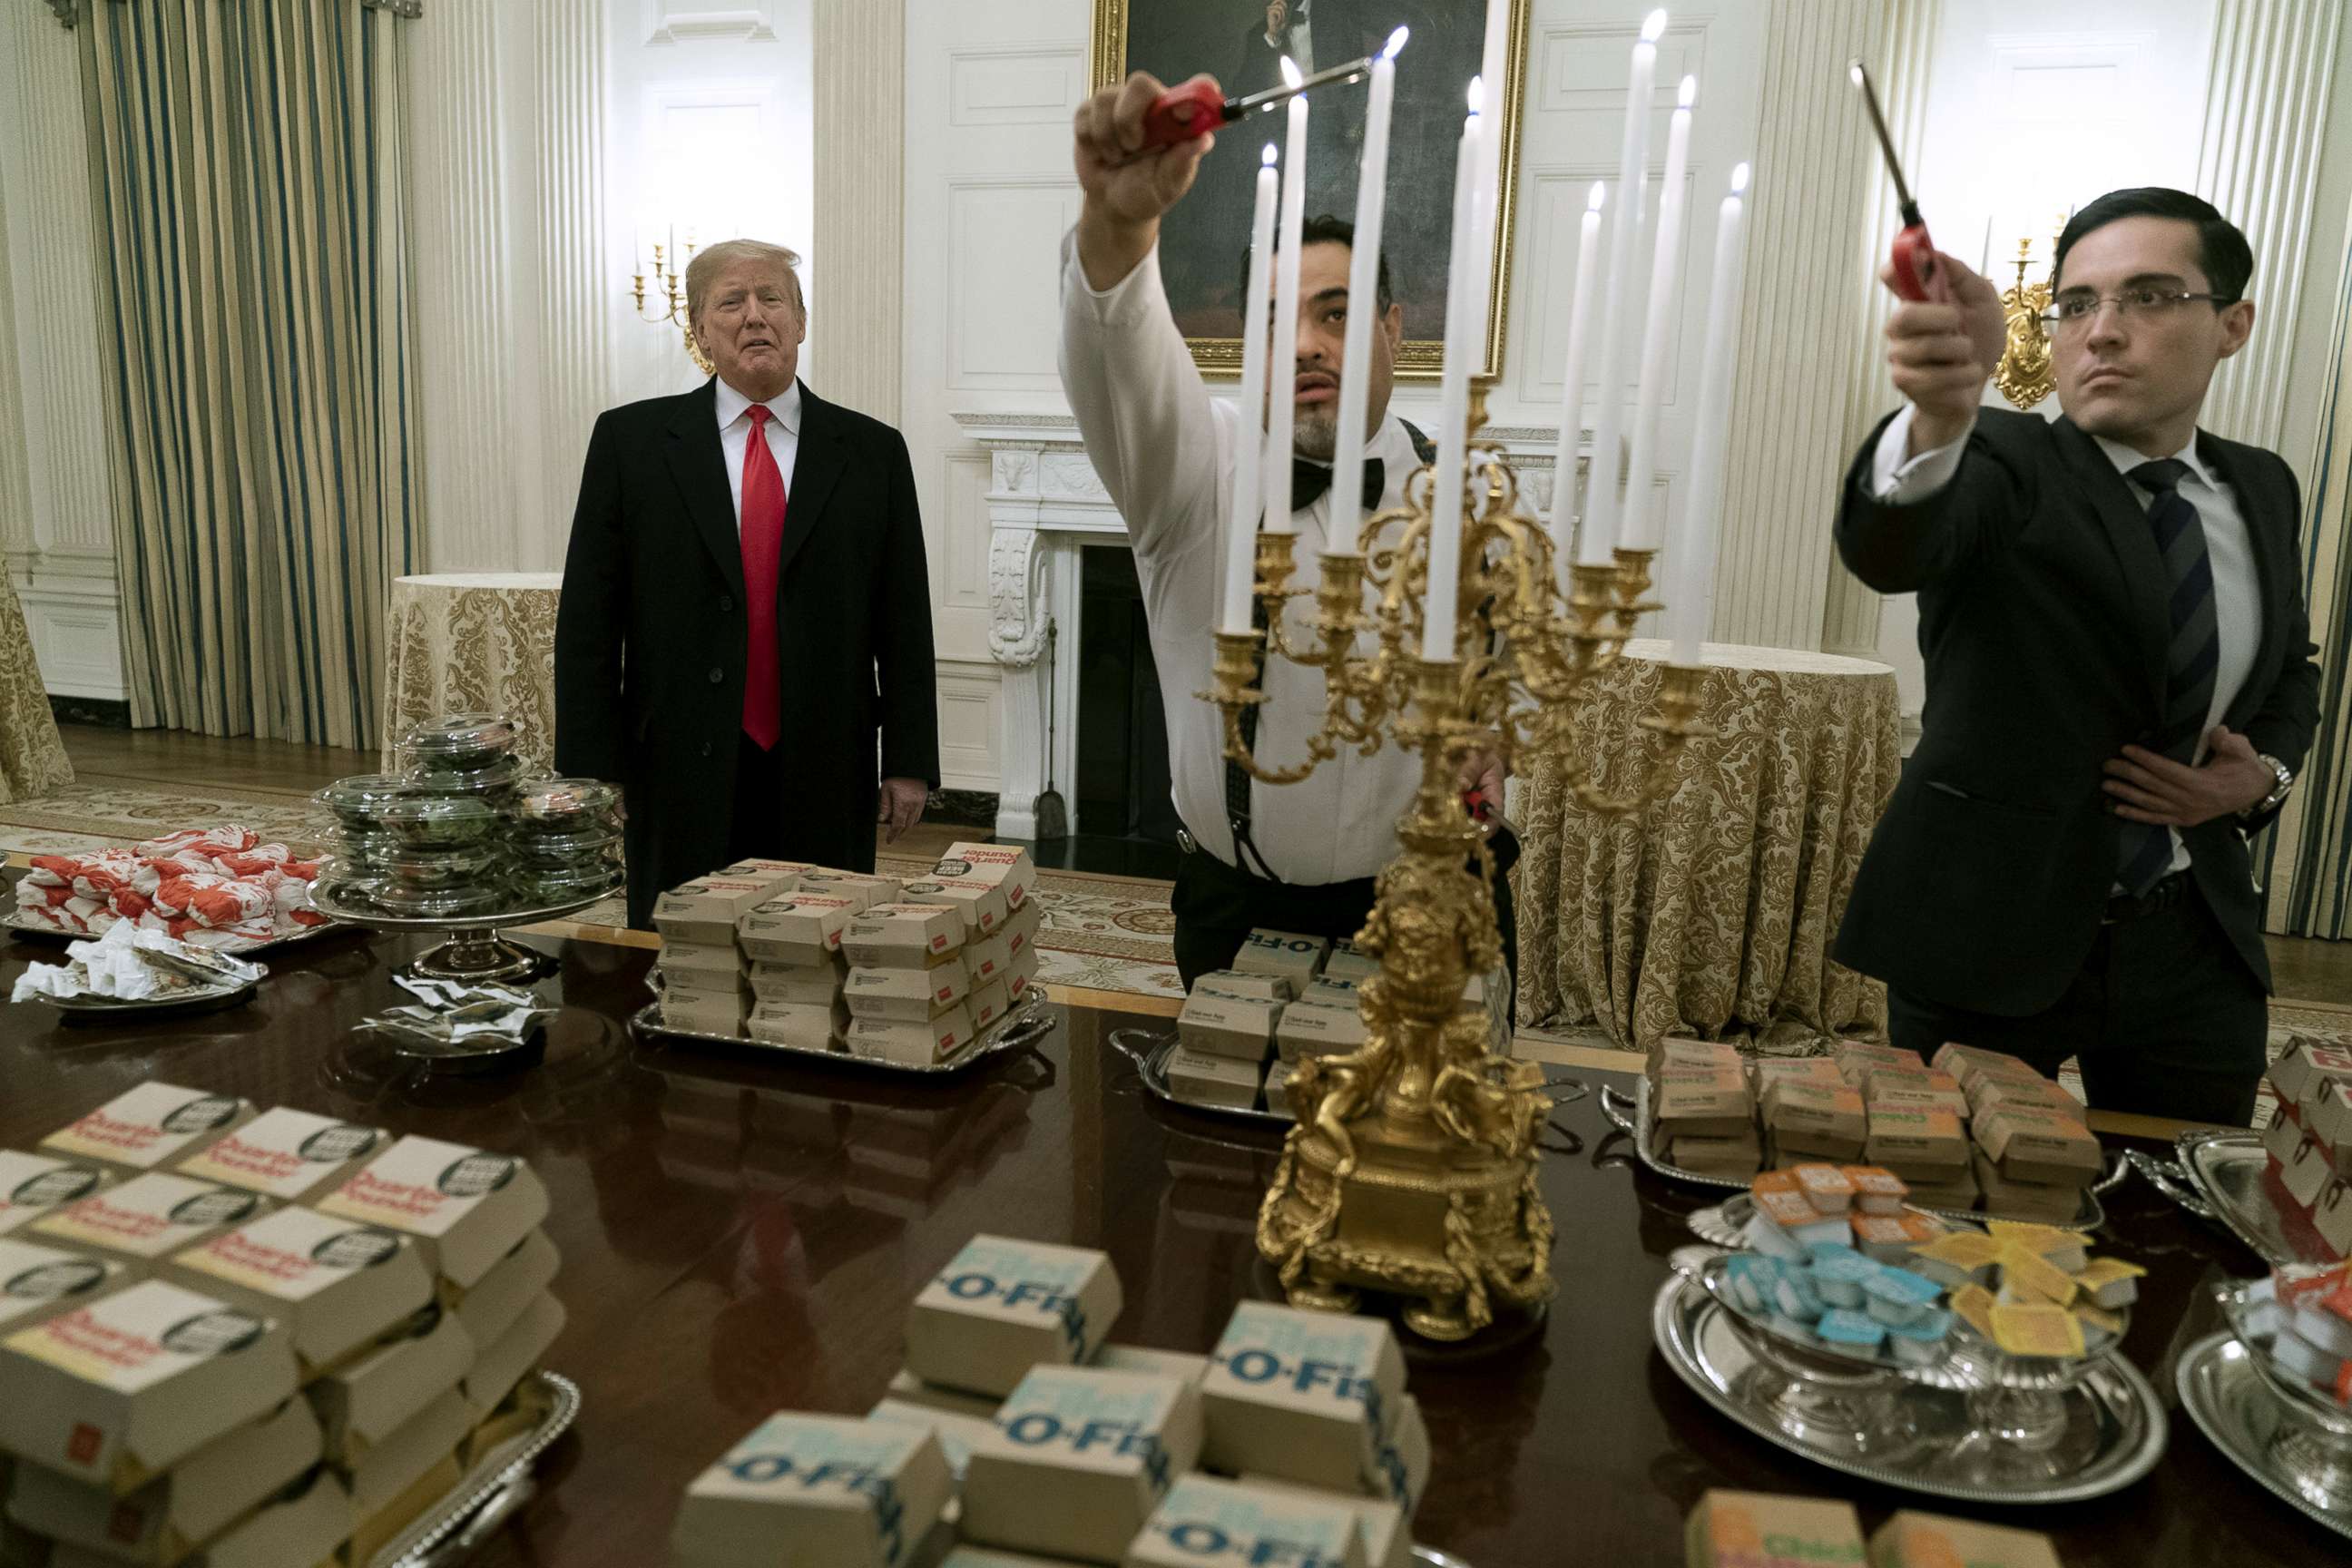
column 2145, row 851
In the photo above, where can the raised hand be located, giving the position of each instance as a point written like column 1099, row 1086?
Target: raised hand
column 1128, row 188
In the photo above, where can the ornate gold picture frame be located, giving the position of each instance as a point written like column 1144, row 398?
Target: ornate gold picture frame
column 1202, row 241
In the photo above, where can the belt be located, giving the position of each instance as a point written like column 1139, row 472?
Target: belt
column 2162, row 897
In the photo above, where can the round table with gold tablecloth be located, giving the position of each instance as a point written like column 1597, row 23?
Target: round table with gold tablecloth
column 32, row 757
column 475, row 642
column 1713, row 911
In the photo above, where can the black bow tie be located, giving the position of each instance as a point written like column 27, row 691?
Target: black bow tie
column 1309, row 480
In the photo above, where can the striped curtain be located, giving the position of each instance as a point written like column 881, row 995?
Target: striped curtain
column 2306, row 858
column 247, row 182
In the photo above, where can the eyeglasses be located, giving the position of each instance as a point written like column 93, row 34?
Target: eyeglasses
column 2074, row 314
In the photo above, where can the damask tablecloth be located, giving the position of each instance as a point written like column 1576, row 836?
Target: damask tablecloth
column 32, row 758
column 474, row 642
column 1713, row 911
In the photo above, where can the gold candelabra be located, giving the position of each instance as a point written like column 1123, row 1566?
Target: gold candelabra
column 673, row 296
column 1412, row 1169
column 2026, row 373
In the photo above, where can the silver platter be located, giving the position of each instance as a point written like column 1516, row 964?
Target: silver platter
column 1024, row 1026
column 2218, row 1175
column 102, row 1010
column 493, row 1492
column 2227, row 1397
column 1150, row 1050
column 1632, row 1115
column 495, row 921
column 2111, row 1433
column 238, row 947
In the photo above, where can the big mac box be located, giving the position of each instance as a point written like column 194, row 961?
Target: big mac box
column 1003, row 1306
column 121, row 1390
column 906, row 996
column 703, row 912
column 471, row 1205
column 812, row 1027
column 1386, row 1530
column 819, row 1489
column 147, row 1218
column 1203, row 1519
column 32, row 1185
column 150, row 1128
column 1307, row 1396
column 801, row 929
column 1199, row 1079
column 497, row 1301
column 336, row 1284
column 37, row 1282
column 1928, row 1541
column 1283, row 953
column 902, row 936
column 695, row 966
column 1078, row 1460
column 174, row 1515
column 1759, row 1530
column 797, row 985
column 287, row 1155
column 1224, row 1025
column 361, row 1403
column 1312, row 1031
column 911, row 1044
column 2040, row 1146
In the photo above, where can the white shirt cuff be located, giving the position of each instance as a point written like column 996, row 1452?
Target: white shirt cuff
column 1123, row 298
column 1904, row 481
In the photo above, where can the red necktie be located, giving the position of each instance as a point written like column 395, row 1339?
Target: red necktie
column 763, row 547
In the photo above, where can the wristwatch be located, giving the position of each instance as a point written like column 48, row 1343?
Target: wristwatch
column 2285, row 776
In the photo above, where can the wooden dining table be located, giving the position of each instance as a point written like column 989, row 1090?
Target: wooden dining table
column 742, row 1234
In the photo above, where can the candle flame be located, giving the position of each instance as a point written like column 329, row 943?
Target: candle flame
column 1600, row 193
column 1396, row 43
column 1689, row 93
column 1477, row 94
column 1267, row 157
column 1654, row 25
column 1855, row 73
column 1739, row 179
column 1291, row 75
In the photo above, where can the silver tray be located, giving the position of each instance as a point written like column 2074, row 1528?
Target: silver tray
column 1933, row 1446
column 1150, row 1050
column 495, row 921
column 240, row 947
column 2227, row 1397
column 2218, row 1175
column 492, row 1492
column 102, row 1010
column 1021, row 1025
column 1632, row 1115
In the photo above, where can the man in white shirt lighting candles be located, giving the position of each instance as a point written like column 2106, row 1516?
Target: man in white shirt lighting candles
column 1298, row 857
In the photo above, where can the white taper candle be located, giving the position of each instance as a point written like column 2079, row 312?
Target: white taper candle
column 1598, row 536
column 1283, row 367
column 1363, row 306
column 1454, row 399
column 1640, row 527
column 1690, row 601
column 1249, row 495
column 1571, row 377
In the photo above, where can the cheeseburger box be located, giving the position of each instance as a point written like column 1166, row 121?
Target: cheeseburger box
column 39, row 1283
column 1935, row 1141
column 981, row 908
column 1078, row 1460
column 902, row 936
column 1008, row 871
column 801, row 984
column 911, row 996
column 819, row 1489
column 1928, row 1541
column 287, row 1155
column 167, row 1519
column 31, row 1185
column 1387, row 1533
column 1254, row 987
column 1254, row 1521
column 1349, row 962
column 801, row 929
column 121, row 1390
column 1758, row 1530
column 1001, row 1306
column 363, row 1403
column 1305, row 1396
column 812, row 1027
column 1283, row 953
column 705, row 909
column 2040, row 1146
column 1224, row 1025
column 147, row 1218
column 473, row 1206
column 1311, row 1031
column 502, row 1363
column 911, row 1044
column 497, row 1300
column 1199, row 1079
column 988, row 1003
column 335, row 1284
column 150, row 1128
column 989, row 960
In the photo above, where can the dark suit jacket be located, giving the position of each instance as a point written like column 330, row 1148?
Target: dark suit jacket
column 651, row 632
column 2043, row 620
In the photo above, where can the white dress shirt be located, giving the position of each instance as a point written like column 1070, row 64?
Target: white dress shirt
column 2237, row 591
column 1165, row 450
column 735, row 437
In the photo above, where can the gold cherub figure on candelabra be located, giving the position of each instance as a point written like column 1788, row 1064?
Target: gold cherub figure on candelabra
column 1411, row 1170
column 2026, row 373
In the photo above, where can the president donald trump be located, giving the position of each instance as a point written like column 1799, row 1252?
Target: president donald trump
column 744, row 642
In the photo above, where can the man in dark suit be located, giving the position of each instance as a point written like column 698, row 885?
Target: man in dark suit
column 2120, row 681
column 745, row 604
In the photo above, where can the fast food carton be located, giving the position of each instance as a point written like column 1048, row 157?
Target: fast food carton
column 1700, row 1102
column 781, row 876
column 990, row 958
column 1325, row 992
column 37, row 1282
column 1386, row 1532
column 304, row 1524
column 2331, row 1216
column 699, row 966
column 818, row 1027
column 1349, row 962
column 1021, row 929
column 1207, row 1520
column 801, row 929
column 171, row 1515
column 1912, row 1540
column 32, row 1185
column 1160, row 1364
column 958, row 1435
column 801, row 984
column 1306, row 1030
column 419, row 1446
column 906, row 996
column 471, row 1205
column 1766, row 1071
column 1738, row 1156
column 902, row 936
column 1001, row 1306
column 1402, row 1459
column 1903, row 1096
column 862, row 1494
column 147, row 1218
column 1801, row 1115
column 1300, row 958
column 2039, row 1094
column 2040, row 1146
column 1758, row 1530
column 1277, row 1087
column 365, row 1401
column 289, row 1155
column 910, row 1043
column 336, row 1284
column 2283, row 1139
column 1932, row 1143
column 705, row 909
column 964, row 1554
column 1224, row 1025
column 1199, row 1079
column 989, row 1004
column 150, row 1128
column 1009, row 870
column 908, row 1389
column 2308, row 1173
column 506, row 1361
column 497, row 1300
column 721, row 1018
column 2294, row 1074
column 2023, row 1200
column 1306, row 1396
column 121, row 1390
column 1254, row 987
column 1857, row 1060
column 858, row 886
column 371, row 1532
column 1078, row 1460
column 1676, row 1054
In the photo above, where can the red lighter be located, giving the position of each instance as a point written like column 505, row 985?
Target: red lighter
column 1916, row 277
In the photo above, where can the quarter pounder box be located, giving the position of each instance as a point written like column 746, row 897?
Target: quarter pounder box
column 337, row 1285
column 1199, row 1079
column 1315, row 1031
column 1758, row 1530
column 1305, row 1396
column 982, row 908
column 503, row 1363
column 287, row 1155
column 1206, row 1520
column 1283, row 953
column 37, row 1282
column 1001, row 1306
column 498, row 1298
column 471, row 1205
column 902, row 936
column 150, row 1128
column 147, row 1218
column 989, row 960
column 862, row 1494
column 363, row 1401
column 780, row 875
column 705, row 909
column 1224, row 1025
column 1010, row 871
column 1912, row 1540
column 32, row 1185
column 421, row 1444
column 1078, row 1460
column 989, row 1004
column 906, row 996
column 803, row 929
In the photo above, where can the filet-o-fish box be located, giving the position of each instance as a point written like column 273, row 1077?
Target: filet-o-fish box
column 1078, row 1459
column 150, row 1128
column 1301, row 1396
column 471, row 1205
column 1003, row 1306
column 859, row 1494
column 1211, row 1521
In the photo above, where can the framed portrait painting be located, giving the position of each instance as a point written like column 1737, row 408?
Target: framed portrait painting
column 1240, row 43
